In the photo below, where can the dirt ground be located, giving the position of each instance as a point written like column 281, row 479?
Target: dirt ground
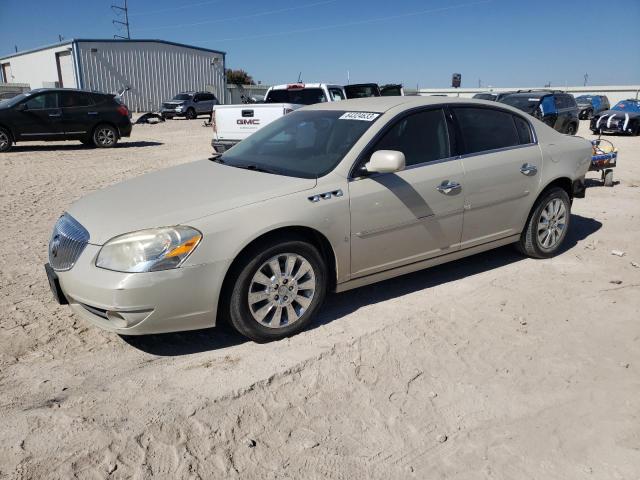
column 495, row 366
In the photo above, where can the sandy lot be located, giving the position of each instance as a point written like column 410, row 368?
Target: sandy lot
column 495, row 366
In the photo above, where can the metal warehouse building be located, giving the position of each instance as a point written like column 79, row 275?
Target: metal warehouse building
column 155, row 70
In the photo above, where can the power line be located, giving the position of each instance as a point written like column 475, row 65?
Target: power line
column 119, row 10
column 349, row 24
column 240, row 17
column 181, row 7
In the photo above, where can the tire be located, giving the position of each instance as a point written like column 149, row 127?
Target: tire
column 255, row 316
column 533, row 241
column 5, row 140
column 190, row 114
column 636, row 130
column 589, row 114
column 572, row 129
column 105, row 136
column 607, row 177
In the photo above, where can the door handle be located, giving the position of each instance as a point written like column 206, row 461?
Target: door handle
column 92, row 113
column 528, row 170
column 55, row 114
column 447, row 187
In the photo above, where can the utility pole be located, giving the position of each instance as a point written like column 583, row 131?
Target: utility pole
column 586, row 78
column 119, row 11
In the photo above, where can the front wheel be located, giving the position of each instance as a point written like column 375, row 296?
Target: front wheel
column 105, row 136
column 190, row 114
column 5, row 140
column 547, row 226
column 278, row 290
column 571, row 129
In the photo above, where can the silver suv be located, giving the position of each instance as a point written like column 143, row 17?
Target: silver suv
column 189, row 105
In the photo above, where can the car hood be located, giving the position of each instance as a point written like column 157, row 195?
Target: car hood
column 619, row 114
column 177, row 195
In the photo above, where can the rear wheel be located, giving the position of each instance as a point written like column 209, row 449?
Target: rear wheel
column 277, row 291
column 547, row 225
column 572, row 129
column 190, row 114
column 105, row 136
column 5, row 140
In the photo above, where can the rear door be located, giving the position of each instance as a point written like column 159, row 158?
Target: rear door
column 408, row 216
column 502, row 164
column 42, row 118
column 78, row 113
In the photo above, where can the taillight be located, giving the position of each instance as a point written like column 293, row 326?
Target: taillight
column 123, row 110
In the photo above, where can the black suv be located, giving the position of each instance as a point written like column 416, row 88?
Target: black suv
column 98, row 119
column 590, row 105
column 557, row 109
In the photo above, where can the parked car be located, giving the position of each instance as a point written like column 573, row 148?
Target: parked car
column 364, row 90
column 333, row 196
column 189, row 105
column 233, row 123
column 590, row 105
column 97, row 119
column 624, row 117
column 557, row 109
column 492, row 96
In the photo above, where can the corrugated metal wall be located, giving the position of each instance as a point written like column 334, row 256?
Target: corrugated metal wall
column 155, row 71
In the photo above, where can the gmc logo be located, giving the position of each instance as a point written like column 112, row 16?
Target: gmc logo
column 248, row 121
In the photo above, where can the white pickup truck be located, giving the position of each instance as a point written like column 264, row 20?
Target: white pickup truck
column 233, row 123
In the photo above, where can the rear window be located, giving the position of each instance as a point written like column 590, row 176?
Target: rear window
column 307, row 96
column 522, row 102
column 484, row 96
column 524, row 130
column 486, row 129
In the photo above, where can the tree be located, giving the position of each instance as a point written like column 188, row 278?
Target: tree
column 239, row 77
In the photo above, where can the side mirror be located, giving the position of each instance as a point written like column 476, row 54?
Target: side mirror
column 21, row 107
column 386, row 161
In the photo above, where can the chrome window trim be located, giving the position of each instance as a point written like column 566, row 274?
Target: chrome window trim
column 496, row 150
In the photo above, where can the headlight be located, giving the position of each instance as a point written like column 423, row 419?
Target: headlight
column 179, row 107
column 149, row 250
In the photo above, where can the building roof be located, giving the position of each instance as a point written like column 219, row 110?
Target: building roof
column 110, row 40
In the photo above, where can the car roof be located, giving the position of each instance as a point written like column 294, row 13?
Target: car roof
column 383, row 104
column 40, row 90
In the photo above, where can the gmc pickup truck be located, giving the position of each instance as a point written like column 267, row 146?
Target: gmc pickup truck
column 233, row 123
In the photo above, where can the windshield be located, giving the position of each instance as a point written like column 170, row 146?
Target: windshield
column 522, row 102
column 9, row 102
column 628, row 106
column 301, row 144
column 182, row 96
column 362, row 91
column 307, row 96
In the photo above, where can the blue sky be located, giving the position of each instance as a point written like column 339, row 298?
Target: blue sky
column 415, row 42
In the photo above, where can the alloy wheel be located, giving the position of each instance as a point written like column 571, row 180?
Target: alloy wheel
column 281, row 290
column 4, row 140
column 105, row 136
column 552, row 224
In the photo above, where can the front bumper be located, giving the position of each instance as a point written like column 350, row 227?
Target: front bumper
column 174, row 300
column 616, row 125
column 171, row 112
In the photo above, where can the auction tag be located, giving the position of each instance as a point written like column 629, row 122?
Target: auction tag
column 364, row 116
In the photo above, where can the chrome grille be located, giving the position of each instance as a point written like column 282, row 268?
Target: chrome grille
column 67, row 243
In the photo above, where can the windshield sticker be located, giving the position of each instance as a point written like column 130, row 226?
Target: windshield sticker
column 364, row 116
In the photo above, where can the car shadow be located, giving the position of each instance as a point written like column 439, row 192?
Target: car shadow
column 79, row 146
column 340, row 305
column 594, row 182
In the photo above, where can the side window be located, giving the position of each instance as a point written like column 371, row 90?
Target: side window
column 75, row 99
column 486, row 129
column 45, row 100
column 197, row 97
column 336, row 94
column 524, row 131
column 422, row 137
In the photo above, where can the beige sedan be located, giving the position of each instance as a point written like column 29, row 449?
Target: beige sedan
column 331, row 197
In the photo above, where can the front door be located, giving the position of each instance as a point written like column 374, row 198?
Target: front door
column 39, row 117
column 412, row 215
column 502, row 166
